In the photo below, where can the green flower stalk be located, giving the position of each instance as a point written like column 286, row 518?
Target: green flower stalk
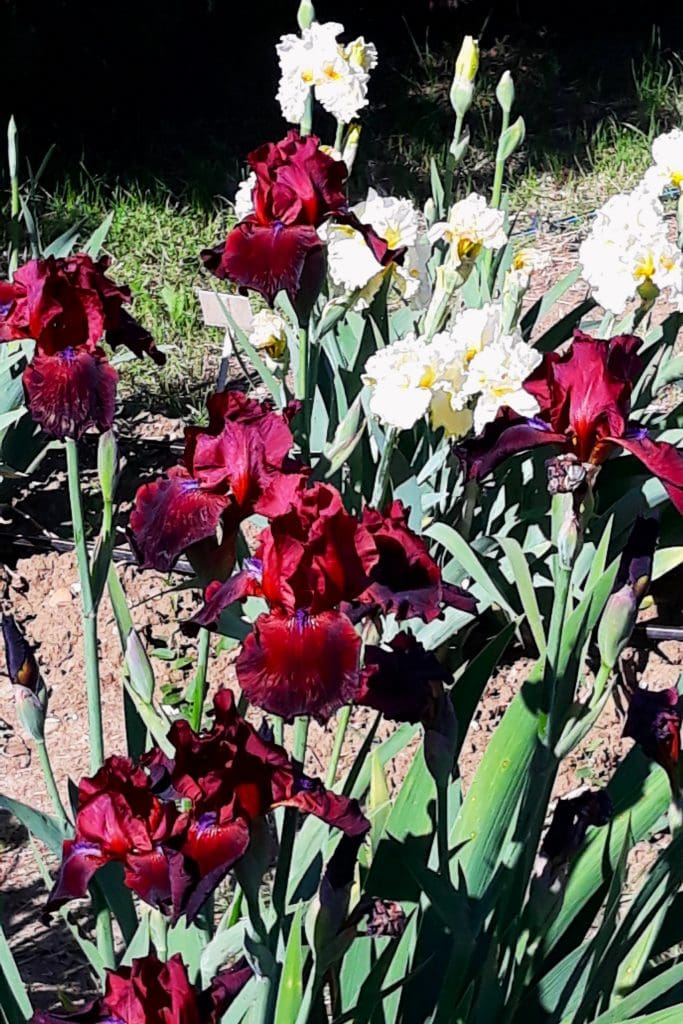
column 88, row 610
column 383, row 477
column 15, row 202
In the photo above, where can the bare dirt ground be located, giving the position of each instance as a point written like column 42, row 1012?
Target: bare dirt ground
column 42, row 592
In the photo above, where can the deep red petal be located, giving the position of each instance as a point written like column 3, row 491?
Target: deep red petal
column 268, row 258
column 300, row 665
column 54, row 312
column 506, row 436
column 150, row 991
column 218, row 596
column 149, row 877
column 663, row 460
column 239, row 458
column 224, row 989
column 403, row 682
column 170, row 515
column 210, row 850
column 134, row 336
column 404, row 578
column 71, row 391
column 337, row 811
column 80, row 861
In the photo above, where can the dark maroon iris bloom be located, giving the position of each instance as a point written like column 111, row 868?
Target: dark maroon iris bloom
column 404, row 578
column 119, row 819
column 277, row 247
column 571, row 820
column 654, row 722
column 67, row 306
column 320, row 569
column 302, row 656
column 584, row 397
column 231, row 777
column 227, row 470
column 152, row 992
column 173, row 859
column 405, row 682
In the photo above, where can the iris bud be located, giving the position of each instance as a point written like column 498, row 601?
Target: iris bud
column 30, row 692
column 351, row 146
column 466, row 66
column 633, row 581
column 467, row 61
column 616, row 624
column 107, row 464
column 568, row 540
column 505, row 92
column 511, row 139
column 305, row 16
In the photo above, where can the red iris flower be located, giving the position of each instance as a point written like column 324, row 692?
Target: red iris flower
column 584, row 397
column 232, row 777
column 226, row 471
column 277, row 247
column 654, row 722
column 174, row 860
column 302, row 656
column 119, row 819
column 405, row 682
column 320, row 569
column 152, row 992
column 67, row 306
column 404, row 578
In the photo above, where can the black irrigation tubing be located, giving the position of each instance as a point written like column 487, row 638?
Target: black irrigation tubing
column 36, row 545
column 564, row 223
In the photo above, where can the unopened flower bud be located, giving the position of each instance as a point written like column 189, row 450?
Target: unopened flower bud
column 511, row 139
column 351, row 146
column 648, row 292
column 430, row 212
column 327, row 929
column 505, row 92
column 633, row 580
column 439, row 742
column 107, row 464
column 305, row 15
column 466, row 66
column 568, row 540
column 462, row 94
column 616, row 625
column 467, row 61
column 29, row 689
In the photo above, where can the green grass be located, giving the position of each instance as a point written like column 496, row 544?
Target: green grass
column 155, row 241
column 583, row 144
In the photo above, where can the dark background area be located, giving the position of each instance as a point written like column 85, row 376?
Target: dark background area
column 177, row 91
